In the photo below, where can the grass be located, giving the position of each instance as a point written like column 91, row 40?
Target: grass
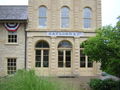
column 27, row 80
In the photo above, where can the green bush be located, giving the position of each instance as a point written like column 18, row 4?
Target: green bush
column 108, row 84
column 26, row 80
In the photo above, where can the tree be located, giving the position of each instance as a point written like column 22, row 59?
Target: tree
column 105, row 48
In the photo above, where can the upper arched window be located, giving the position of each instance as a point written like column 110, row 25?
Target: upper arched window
column 87, row 17
column 65, row 17
column 42, row 16
column 64, row 44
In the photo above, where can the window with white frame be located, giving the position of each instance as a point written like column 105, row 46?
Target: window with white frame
column 11, row 65
column 12, row 37
column 42, row 54
column 85, row 62
column 87, row 18
column 42, row 17
column 65, row 17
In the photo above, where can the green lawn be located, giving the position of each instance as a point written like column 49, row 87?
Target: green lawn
column 27, row 80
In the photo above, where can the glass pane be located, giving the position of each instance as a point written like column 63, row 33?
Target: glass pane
column 82, row 61
column 42, row 11
column 60, row 53
column 45, row 64
column 38, row 52
column 64, row 44
column 60, row 64
column 38, row 64
column 46, row 52
column 68, row 53
column 90, row 63
column 65, row 22
column 42, row 22
column 65, row 12
column 68, row 64
column 45, row 58
column 87, row 13
column 42, row 44
column 60, row 58
column 82, row 54
column 68, row 58
column 87, row 23
column 38, row 58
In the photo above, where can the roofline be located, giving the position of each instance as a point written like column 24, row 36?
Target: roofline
column 13, row 19
column 13, row 5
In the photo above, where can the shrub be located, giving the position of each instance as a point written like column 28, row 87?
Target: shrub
column 108, row 84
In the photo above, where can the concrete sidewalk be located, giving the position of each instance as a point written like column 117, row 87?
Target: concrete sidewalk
column 77, row 83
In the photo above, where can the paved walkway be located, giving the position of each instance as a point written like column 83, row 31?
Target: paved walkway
column 77, row 83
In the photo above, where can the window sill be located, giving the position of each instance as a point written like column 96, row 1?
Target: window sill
column 11, row 43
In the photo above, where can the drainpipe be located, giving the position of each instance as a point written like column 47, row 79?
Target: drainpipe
column 25, row 26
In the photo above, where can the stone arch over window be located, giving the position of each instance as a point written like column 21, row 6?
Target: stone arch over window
column 42, row 54
column 87, row 17
column 64, row 54
column 65, row 17
column 42, row 16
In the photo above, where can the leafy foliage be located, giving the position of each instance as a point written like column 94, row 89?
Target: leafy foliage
column 105, row 48
column 108, row 84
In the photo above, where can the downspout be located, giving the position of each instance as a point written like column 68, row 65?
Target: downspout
column 25, row 45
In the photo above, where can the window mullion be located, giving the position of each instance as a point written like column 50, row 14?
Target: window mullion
column 42, row 58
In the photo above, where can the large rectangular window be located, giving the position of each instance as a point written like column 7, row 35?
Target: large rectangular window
column 11, row 65
column 65, row 17
column 12, row 37
column 90, row 63
column 85, row 61
column 42, row 17
column 82, row 59
column 60, row 58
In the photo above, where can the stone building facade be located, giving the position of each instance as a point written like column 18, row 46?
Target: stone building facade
column 51, row 42
column 55, row 31
column 12, row 43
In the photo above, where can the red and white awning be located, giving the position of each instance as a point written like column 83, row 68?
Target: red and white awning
column 12, row 26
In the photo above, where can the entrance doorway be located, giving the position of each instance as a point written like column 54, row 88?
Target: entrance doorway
column 65, row 58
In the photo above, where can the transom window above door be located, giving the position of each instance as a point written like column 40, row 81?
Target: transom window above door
column 42, row 54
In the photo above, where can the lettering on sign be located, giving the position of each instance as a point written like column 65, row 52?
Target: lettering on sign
column 75, row 34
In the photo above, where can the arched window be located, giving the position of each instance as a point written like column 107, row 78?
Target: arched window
column 85, row 62
column 64, row 54
column 87, row 17
column 42, row 16
column 42, row 54
column 65, row 17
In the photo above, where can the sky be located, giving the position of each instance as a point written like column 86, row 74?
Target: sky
column 110, row 9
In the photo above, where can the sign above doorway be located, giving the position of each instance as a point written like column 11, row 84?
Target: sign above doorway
column 74, row 34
